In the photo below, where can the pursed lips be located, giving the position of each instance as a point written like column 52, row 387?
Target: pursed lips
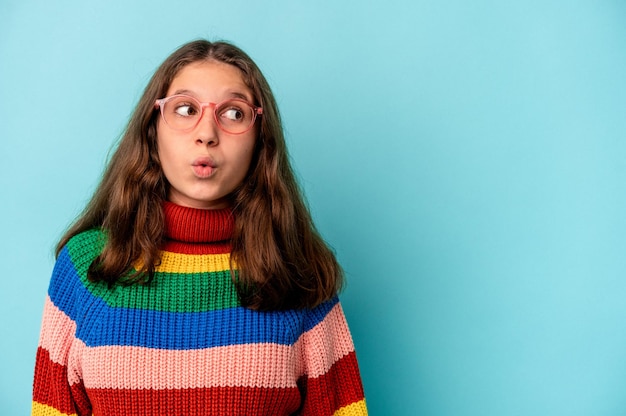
column 203, row 167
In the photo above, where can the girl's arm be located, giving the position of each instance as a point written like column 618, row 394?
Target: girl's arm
column 330, row 382
column 57, row 387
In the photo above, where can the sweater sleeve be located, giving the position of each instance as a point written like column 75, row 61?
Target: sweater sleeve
column 57, row 387
column 330, row 382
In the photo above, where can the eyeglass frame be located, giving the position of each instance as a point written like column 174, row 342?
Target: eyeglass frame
column 256, row 111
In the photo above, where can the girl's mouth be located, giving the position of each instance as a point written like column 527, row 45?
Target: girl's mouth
column 203, row 167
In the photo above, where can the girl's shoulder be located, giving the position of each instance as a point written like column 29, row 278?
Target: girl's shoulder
column 69, row 285
column 87, row 242
column 83, row 248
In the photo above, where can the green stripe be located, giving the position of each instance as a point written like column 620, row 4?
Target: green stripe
column 167, row 292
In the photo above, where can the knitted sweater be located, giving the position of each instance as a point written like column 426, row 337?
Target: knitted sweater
column 183, row 344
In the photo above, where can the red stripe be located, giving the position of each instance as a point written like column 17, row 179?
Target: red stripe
column 186, row 248
column 218, row 401
column 52, row 388
column 339, row 387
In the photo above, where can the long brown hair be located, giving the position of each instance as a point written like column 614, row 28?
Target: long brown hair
column 281, row 259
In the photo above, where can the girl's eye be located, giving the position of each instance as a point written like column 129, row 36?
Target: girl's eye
column 233, row 114
column 186, row 110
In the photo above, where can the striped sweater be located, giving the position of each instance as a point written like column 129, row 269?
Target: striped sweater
column 182, row 344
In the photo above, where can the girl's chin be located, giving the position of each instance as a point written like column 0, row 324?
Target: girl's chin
column 198, row 202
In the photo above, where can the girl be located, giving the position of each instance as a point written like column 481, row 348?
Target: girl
column 194, row 283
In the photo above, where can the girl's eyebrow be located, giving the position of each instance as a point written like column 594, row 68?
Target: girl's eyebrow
column 239, row 95
column 184, row 92
column 233, row 94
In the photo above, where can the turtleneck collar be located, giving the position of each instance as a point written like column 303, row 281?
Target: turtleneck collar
column 191, row 229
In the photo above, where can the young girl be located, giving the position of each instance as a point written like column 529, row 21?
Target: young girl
column 194, row 283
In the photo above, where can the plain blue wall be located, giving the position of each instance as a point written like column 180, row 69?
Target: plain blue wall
column 467, row 161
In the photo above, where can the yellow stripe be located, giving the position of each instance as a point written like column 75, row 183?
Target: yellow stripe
column 45, row 410
column 191, row 263
column 354, row 409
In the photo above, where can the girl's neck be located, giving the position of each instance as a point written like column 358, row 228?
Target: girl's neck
column 197, row 230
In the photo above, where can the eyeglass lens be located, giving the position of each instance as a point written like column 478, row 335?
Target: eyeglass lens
column 233, row 116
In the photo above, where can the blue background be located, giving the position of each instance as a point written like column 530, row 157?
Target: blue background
column 466, row 160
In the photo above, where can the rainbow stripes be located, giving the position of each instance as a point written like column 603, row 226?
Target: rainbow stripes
column 183, row 345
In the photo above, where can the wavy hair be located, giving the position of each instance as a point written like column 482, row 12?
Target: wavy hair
column 282, row 261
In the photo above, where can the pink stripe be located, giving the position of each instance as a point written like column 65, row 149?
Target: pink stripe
column 325, row 344
column 57, row 332
column 248, row 365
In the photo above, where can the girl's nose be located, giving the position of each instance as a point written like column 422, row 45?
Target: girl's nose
column 207, row 130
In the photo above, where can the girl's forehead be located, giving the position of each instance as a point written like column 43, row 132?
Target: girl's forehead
column 210, row 78
column 209, row 71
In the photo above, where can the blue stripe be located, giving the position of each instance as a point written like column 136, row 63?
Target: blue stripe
column 99, row 324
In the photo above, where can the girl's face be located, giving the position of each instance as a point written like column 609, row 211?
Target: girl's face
column 205, row 164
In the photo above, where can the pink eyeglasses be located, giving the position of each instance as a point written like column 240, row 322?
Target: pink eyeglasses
column 182, row 112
